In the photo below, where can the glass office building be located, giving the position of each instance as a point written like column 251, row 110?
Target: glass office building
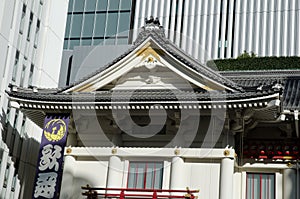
column 94, row 22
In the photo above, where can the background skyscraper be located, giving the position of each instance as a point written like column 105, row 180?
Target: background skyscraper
column 31, row 41
column 206, row 29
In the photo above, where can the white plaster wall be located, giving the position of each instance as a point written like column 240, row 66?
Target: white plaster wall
column 93, row 173
column 205, row 177
column 202, row 176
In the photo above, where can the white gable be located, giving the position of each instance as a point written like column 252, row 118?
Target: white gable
column 148, row 66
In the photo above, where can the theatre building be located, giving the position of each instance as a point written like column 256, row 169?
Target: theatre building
column 155, row 121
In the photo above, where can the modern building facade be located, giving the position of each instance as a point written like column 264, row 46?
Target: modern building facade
column 31, row 40
column 205, row 29
column 155, row 120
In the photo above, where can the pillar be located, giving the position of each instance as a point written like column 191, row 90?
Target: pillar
column 289, row 184
column 115, row 172
column 68, row 175
column 3, row 167
column 178, row 175
column 226, row 178
column 11, row 172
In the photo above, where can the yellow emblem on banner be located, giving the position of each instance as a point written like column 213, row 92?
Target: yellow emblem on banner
column 55, row 130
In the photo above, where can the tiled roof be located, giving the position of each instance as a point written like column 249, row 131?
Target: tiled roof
column 288, row 79
column 137, row 96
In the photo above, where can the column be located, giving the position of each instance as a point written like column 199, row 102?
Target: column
column 67, row 179
column 178, row 175
column 289, row 184
column 3, row 167
column 115, row 172
column 17, row 190
column 9, row 180
column 226, row 178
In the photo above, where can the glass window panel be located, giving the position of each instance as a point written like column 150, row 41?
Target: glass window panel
column 121, row 41
column 88, row 25
column 102, row 5
column 140, row 175
column 145, row 175
column 260, row 186
column 114, row 4
column 67, row 33
column 100, row 24
column 124, row 22
column 158, row 176
column 150, row 174
column 131, row 175
column 110, row 41
column 66, row 42
column 86, row 42
column 73, row 43
column 125, row 4
column 71, row 2
column 98, row 42
column 76, row 25
column 79, row 5
column 112, row 22
column 90, row 5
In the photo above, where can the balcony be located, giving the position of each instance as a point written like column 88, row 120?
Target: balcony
column 123, row 193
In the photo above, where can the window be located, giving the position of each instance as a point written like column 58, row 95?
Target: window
column 7, row 115
column 6, row 175
column 79, row 5
column 88, row 25
column 70, row 8
column 15, row 68
column 102, row 5
column 90, row 5
column 22, row 132
column 113, row 4
column 76, row 25
column 125, row 4
column 31, row 75
column 23, row 75
column 30, row 24
column 100, row 24
column 37, row 32
column 16, row 119
column 22, row 19
column 124, row 23
column 260, row 186
column 145, row 175
column 112, row 23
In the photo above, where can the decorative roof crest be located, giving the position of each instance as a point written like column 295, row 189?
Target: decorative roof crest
column 151, row 25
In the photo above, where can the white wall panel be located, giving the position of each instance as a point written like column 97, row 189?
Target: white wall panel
column 192, row 19
column 197, row 45
column 172, row 25
column 185, row 16
column 291, row 27
column 262, row 50
column 178, row 23
column 229, row 30
column 267, row 28
column 166, row 16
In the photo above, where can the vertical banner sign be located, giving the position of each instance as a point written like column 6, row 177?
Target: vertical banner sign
column 50, row 161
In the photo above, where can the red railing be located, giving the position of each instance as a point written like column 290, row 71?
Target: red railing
column 126, row 193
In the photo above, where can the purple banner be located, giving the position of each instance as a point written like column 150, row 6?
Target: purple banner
column 50, row 161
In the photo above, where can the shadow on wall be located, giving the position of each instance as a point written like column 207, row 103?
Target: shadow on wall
column 24, row 154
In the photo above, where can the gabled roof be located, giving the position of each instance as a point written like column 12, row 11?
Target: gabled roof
column 155, row 36
column 234, row 93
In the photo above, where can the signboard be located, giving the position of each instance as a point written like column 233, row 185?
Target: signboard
column 50, row 161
